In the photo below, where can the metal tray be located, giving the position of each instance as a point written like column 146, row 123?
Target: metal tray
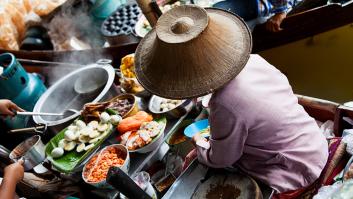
column 187, row 182
column 185, row 186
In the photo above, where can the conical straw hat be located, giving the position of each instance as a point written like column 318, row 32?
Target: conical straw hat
column 192, row 51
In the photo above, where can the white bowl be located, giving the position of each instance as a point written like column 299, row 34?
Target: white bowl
column 179, row 110
column 154, row 144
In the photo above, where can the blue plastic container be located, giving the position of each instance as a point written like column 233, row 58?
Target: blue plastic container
column 14, row 79
column 196, row 127
column 104, row 8
column 20, row 87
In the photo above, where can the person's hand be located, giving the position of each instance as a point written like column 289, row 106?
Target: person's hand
column 7, row 107
column 274, row 23
column 14, row 171
column 189, row 158
column 197, row 137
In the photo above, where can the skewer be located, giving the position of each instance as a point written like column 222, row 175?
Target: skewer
column 30, row 61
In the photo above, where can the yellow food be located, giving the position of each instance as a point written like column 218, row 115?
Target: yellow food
column 127, row 66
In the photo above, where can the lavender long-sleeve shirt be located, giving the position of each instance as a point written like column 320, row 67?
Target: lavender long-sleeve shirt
column 257, row 124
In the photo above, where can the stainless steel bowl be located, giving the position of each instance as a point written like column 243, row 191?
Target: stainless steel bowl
column 31, row 151
column 62, row 95
column 180, row 110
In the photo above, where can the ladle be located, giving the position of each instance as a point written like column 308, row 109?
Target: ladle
column 72, row 111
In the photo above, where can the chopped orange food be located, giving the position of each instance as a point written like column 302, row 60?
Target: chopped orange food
column 96, row 172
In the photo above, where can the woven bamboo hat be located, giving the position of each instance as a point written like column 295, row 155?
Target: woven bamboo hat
column 192, row 52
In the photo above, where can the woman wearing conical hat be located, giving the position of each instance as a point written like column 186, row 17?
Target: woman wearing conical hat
column 256, row 122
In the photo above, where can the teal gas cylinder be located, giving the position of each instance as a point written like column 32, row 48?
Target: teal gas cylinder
column 23, row 88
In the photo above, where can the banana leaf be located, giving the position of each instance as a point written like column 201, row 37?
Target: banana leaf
column 70, row 160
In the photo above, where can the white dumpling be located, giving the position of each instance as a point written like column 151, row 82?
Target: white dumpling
column 80, row 147
column 62, row 143
column 162, row 106
column 72, row 128
column 69, row 135
column 84, row 138
column 93, row 124
column 171, row 106
column 86, row 131
column 57, row 152
column 94, row 134
column 115, row 119
column 102, row 127
column 80, row 124
column 69, row 146
column 105, row 117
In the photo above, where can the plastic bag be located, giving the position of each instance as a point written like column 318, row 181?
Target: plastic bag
column 348, row 139
column 327, row 129
column 8, row 31
column 326, row 192
column 15, row 14
column 336, row 191
column 12, row 27
column 17, row 18
column 42, row 7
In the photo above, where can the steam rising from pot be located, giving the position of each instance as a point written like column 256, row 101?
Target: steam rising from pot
column 72, row 28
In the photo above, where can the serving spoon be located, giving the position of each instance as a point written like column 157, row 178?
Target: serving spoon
column 26, row 113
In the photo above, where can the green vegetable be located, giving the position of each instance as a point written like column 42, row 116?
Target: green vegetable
column 111, row 111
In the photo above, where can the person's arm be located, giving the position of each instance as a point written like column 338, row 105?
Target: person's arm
column 279, row 8
column 12, row 175
column 7, row 107
column 228, row 136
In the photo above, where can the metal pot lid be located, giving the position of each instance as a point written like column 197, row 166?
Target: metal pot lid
column 62, row 95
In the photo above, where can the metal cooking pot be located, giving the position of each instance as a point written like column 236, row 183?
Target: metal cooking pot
column 31, row 151
column 63, row 95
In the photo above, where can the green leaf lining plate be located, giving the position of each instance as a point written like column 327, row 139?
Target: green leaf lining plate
column 70, row 160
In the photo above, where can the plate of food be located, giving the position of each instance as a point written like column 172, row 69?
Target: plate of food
column 201, row 127
column 142, row 133
column 128, row 78
column 142, row 26
column 124, row 105
column 76, row 142
column 169, row 107
column 96, row 169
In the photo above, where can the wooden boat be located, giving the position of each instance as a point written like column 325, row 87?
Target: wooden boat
column 313, row 50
